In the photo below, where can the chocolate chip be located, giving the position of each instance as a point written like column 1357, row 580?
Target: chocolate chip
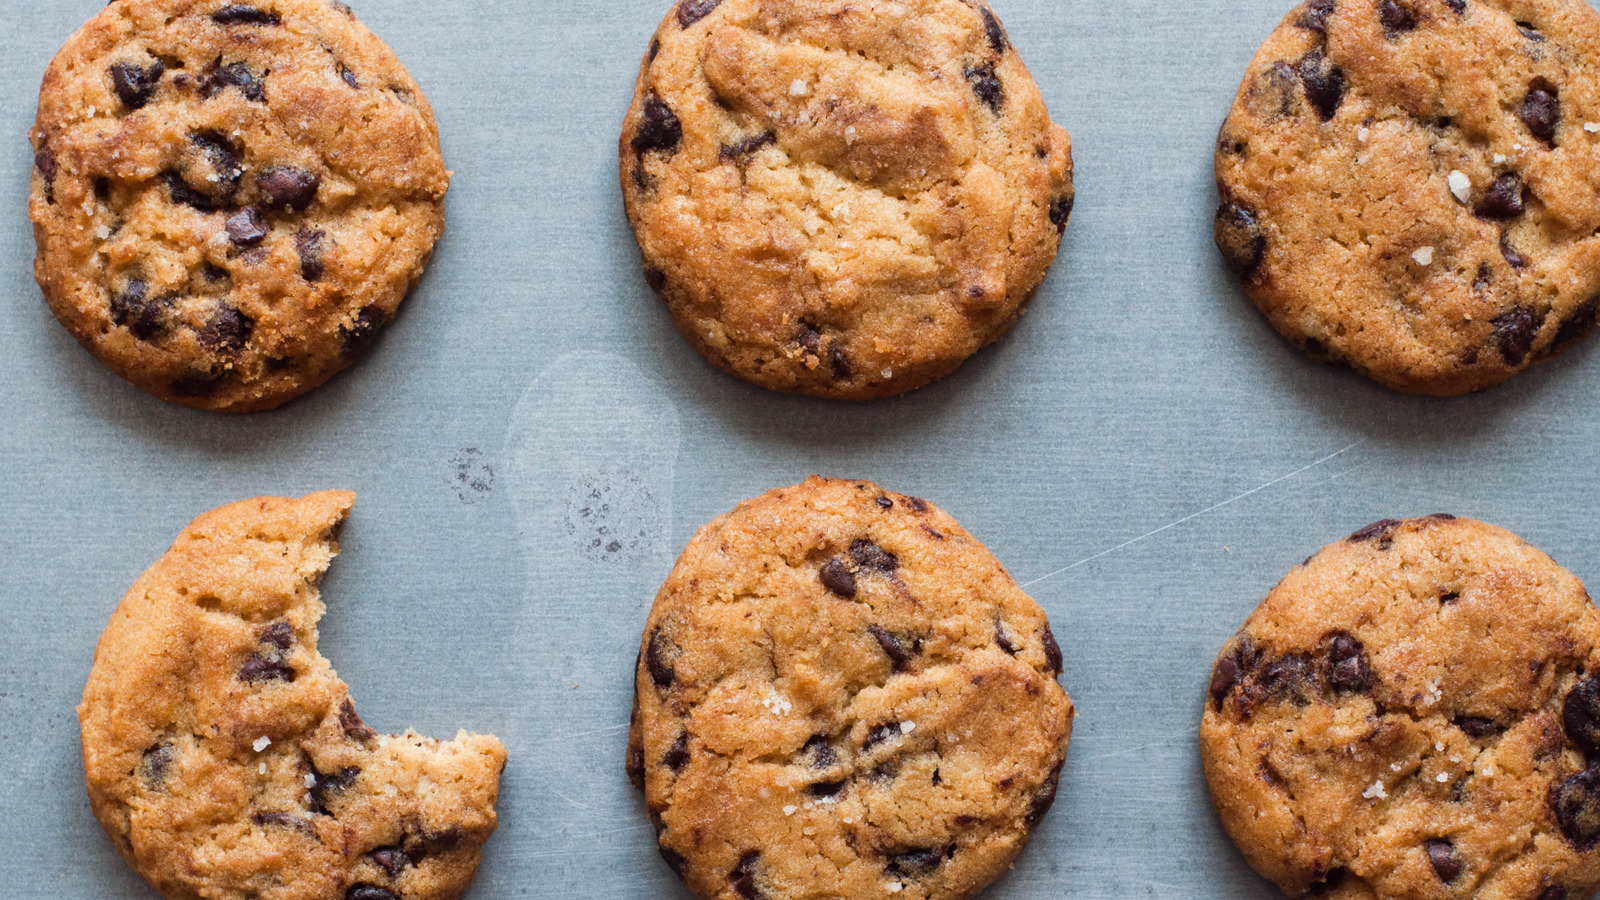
column 1225, row 676
column 1045, row 798
column 1577, row 325
column 392, row 860
column 1477, row 727
column 155, row 763
column 743, row 876
column 135, row 85
column 134, row 308
column 692, row 11
column 747, row 147
column 1503, row 200
column 1240, row 237
column 827, row 790
column 369, row 892
column 674, row 860
column 658, row 657
column 894, row 647
column 240, row 14
column 1580, row 715
column 885, row 503
column 677, row 756
column 1289, row 679
column 45, row 162
column 1381, row 532
column 1480, row 282
column 349, row 77
column 1541, row 110
column 360, row 335
column 991, row 27
column 259, row 668
column 1330, row 881
column 837, row 577
column 1052, row 650
column 655, row 48
column 838, row 363
column 1324, row 83
column 916, row 863
column 986, row 84
column 1442, row 855
column 1514, row 333
column 1061, row 211
column 1554, row 893
column 1002, row 638
column 236, row 75
column 1459, row 6
column 1315, row 18
column 247, row 228
column 1348, row 669
column 197, row 384
column 1396, row 17
column 869, row 555
column 308, row 243
column 353, row 727
column 228, row 329
column 325, row 785
column 277, row 819
column 879, row 734
column 820, row 753
column 210, row 162
column 659, row 129
column 289, row 188
column 917, row 504
column 1530, row 32
column 1576, row 804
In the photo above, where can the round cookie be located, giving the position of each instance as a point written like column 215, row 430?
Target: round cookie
column 230, row 200
column 1412, row 187
column 223, row 755
column 1412, row 713
column 841, row 693
column 841, row 199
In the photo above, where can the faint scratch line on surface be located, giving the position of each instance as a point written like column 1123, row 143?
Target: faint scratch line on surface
column 583, row 806
column 1192, row 516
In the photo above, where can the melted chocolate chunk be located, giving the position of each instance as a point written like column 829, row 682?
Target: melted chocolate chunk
column 1045, row 798
column 692, row 11
column 278, row 819
column 197, row 384
column 1396, row 18
column 869, row 555
column 1580, row 715
column 838, row 363
column 308, row 244
column 155, row 763
column 360, row 335
column 1459, row 6
column 827, row 790
column 1576, row 805
column 1541, row 110
column 325, row 785
column 837, row 577
column 228, row 329
column 1382, row 532
column 45, row 162
column 349, row 77
column 916, row 863
column 369, row 892
column 1052, row 650
column 234, row 75
column 677, row 756
column 1315, row 18
column 899, row 650
column 1530, row 32
column 1002, row 639
column 241, row 14
column 674, row 860
column 392, row 860
column 1477, row 727
column 1239, row 235
column 819, row 753
column 879, row 734
column 659, row 128
column 746, row 148
column 1445, row 860
column 996, row 34
column 135, row 85
column 212, row 163
column 1554, row 893
column 1061, row 211
column 258, row 668
column 1289, row 679
column 288, row 188
column 1348, row 669
column 1514, row 333
column 658, row 657
column 353, row 727
column 247, row 228
column 1515, row 259
column 743, row 876
column 1577, row 325
column 986, row 84
column 1324, row 83
column 1503, row 200
column 140, row 313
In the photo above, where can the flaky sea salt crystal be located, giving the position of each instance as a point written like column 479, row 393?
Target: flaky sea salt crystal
column 790, row 809
column 1424, row 256
column 262, row 743
column 797, row 88
column 907, row 727
column 1363, row 133
column 1460, row 185
column 1376, row 791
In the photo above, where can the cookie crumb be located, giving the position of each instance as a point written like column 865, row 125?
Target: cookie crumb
column 1460, row 185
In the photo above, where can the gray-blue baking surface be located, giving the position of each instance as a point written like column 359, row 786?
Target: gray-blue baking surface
column 533, row 443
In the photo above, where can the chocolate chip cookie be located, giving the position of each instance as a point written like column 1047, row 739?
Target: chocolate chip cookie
column 841, row 693
column 1414, row 712
column 1412, row 187
column 231, row 199
column 223, row 755
column 842, row 199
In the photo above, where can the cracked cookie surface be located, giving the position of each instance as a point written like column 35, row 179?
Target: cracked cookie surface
column 230, row 200
column 841, row 693
column 1414, row 713
column 838, row 198
column 223, row 755
column 1412, row 187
